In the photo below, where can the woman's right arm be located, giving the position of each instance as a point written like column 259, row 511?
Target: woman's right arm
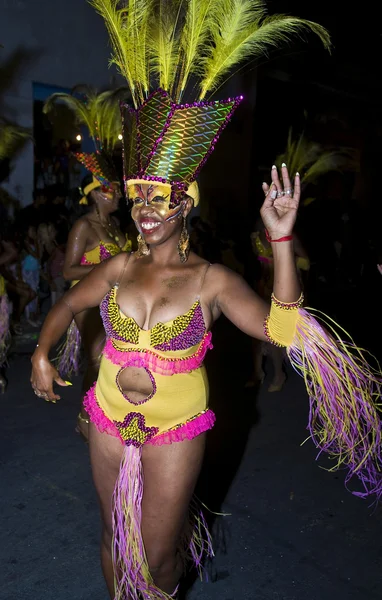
column 75, row 249
column 86, row 294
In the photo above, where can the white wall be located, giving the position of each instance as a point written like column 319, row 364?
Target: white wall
column 67, row 45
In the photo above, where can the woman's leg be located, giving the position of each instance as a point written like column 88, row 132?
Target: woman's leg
column 170, row 475
column 257, row 362
column 105, row 456
column 279, row 377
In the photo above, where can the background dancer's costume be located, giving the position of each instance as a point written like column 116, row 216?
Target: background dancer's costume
column 167, row 142
column 104, row 175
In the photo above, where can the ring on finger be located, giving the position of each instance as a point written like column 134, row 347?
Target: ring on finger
column 288, row 192
column 279, row 194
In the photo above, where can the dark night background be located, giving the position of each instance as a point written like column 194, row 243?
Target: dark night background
column 293, row 531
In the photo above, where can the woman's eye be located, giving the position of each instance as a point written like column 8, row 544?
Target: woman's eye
column 137, row 201
column 159, row 199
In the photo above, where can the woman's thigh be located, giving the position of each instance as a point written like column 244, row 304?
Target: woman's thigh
column 170, row 475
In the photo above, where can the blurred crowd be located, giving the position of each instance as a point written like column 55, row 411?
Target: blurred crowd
column 32, row 255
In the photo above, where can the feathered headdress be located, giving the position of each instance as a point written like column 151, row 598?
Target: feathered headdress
column 172, row 47
column 100, row 113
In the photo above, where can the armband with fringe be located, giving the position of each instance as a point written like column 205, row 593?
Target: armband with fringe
column 344, row 390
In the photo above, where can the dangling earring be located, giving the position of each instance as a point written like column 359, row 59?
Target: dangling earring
column 143, row 249
column 184, row 243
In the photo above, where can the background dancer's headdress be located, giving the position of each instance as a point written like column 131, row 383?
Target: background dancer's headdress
column 100, row 113
column 185, row 50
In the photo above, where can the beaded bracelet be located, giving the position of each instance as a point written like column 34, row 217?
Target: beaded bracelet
column 288, row 305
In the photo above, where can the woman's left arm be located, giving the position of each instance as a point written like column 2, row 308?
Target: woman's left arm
column 279, row 213
column 234, row 298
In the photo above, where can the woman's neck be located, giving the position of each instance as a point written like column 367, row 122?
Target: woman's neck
column 102, row 215
column 166, row 254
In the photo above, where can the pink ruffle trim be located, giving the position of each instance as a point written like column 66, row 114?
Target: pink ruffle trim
column 187, row 431
column 97, row 416
column 154, row 362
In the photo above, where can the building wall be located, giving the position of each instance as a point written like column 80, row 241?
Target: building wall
column 54, row 43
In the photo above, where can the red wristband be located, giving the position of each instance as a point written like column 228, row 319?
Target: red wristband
column 287, row 238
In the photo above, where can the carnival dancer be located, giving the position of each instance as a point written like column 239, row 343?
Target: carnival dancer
column 149, row 407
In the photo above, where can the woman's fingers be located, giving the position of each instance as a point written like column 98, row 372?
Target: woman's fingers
column 286, row 180
column 275, row 178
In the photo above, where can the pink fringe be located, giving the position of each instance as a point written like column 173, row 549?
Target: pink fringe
column 133, row 579
column 69, row 353
column 188, row 431
column 154, row 362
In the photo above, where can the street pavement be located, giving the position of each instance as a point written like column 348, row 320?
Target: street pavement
column 291, row 530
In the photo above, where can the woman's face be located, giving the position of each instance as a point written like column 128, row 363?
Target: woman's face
column 107, row 197
column 154, row 218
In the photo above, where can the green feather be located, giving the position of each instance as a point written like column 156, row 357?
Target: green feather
column 312, row 161
column 12, row 139
column 99, row 112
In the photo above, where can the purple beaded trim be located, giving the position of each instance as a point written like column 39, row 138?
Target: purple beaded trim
column 192, row 335
column 268, row 335
column 288, row 305
column 109, row 329
column 144, row 433
column 153, row 383
column 103, row 252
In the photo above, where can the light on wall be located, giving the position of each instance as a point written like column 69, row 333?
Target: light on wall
column 120, row 136
column 78, row 137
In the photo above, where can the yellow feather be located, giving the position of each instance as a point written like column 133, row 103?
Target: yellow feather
column 12, row 139
column 195, row 36
column 100, row 113
column 128, row 31
column 164, row 43
column 175, row 39
column 312, row 161
column 241, row 30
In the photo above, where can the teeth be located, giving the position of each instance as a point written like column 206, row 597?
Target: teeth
column 149, row 226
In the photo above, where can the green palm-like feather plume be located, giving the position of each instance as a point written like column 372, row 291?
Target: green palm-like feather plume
column 164, row 43
column 128, row 29
column 312, row 161
column 176, row 39
column 196, row 35
column 99, row 112
column 240, row 30
column 12, row 139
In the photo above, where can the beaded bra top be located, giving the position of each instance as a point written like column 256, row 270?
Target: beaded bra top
column 181, row 333
column 103, row 251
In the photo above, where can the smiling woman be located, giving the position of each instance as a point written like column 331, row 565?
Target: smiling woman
column 149, row 406
column 153, row 209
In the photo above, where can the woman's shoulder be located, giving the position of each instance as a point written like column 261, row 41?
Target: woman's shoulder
column 219, row 277
column 81, row 223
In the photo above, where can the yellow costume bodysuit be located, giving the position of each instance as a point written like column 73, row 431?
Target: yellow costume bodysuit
column 172, row 354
